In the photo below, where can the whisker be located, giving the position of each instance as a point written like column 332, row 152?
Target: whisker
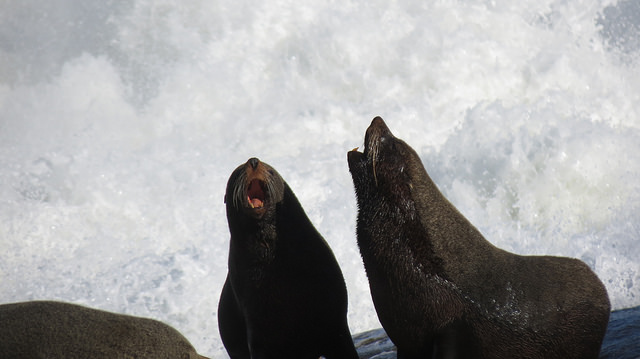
column 373, row 162
column 239, row 189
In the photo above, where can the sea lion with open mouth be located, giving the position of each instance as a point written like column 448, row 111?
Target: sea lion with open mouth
column 284, row 296
column 442, row 291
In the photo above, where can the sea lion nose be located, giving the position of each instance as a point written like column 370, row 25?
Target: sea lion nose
column 254, row 162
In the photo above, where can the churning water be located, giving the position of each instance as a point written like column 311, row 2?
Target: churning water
column 120, row 122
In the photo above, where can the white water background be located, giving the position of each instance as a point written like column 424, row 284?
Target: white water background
column 120, row 122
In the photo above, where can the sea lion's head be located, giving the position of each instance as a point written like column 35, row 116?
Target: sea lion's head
column 254, row 189
column 388, row 172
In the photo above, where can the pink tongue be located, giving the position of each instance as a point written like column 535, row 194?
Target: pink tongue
column 255, row 202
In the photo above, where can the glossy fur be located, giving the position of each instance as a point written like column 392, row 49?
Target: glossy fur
column 284, row 296
column 442, row 291
column 56, row 330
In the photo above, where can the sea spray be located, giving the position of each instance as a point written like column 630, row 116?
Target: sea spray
column 121, row 121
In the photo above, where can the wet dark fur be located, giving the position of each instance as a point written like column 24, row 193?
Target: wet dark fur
column 56, row 330
column 284, row 296
column 442, row 291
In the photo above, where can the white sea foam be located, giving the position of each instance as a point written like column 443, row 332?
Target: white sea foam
column 121, row 121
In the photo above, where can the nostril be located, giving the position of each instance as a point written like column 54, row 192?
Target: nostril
column 254, row 162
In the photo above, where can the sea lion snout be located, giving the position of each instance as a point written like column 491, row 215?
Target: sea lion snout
column 253, row 188
column 254, row 162
column 361, row 164
column 376, row 132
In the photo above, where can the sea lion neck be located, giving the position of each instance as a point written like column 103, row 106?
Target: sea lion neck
column 388, row 169
column 393, row 190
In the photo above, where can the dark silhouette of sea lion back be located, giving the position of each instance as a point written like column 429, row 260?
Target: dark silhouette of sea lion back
column 442, row 291
column 56, row 330
column 284, row 296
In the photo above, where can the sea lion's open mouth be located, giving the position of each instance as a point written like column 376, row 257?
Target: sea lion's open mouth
column 255, row 193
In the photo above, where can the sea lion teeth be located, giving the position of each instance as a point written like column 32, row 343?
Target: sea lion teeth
column 255, row 203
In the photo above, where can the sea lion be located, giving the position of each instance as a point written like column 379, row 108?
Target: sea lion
column 442, row 291
column 57, row 330
column 284, row 296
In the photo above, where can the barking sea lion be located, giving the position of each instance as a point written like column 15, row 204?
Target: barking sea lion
column 284, row 296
